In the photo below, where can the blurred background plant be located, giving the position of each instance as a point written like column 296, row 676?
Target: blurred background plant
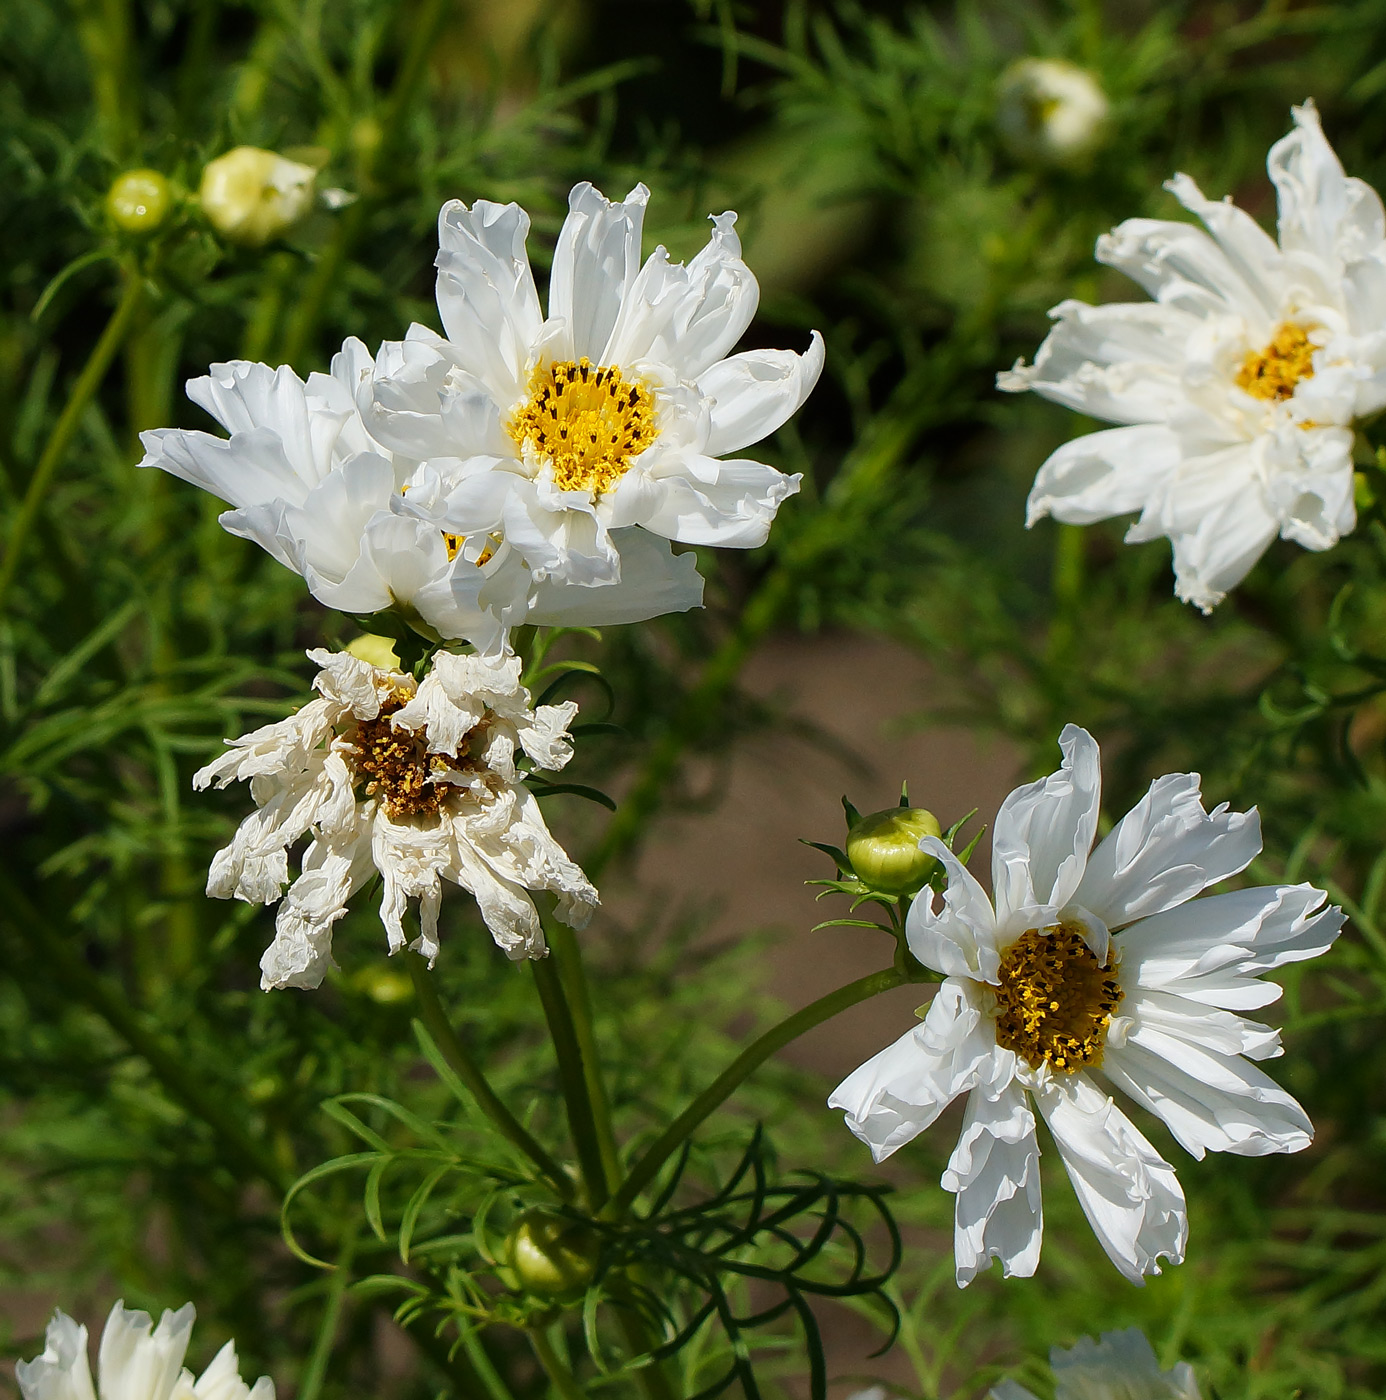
column 189, row 181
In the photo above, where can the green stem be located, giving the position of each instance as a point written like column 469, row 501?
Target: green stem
column 88, row 381
column 750, row 1059
column 562, row 1378
column 567, row 953
column 572, row 1079
column 450, row 1046
column 170, row 1064
column 316, row 1370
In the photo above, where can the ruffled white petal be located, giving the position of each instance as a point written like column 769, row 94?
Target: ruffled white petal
column 956, row 935
column 702, row 500
column 595, row 263
column 654, row 581
column 1122, row 1366
column 898, row 1093
column 61, row 1371
column 1127, row 1190
column 1044, row 831
column 994, row 1171
column 756, row 392
column 138, row 1361
column 1100, row 475
column 222, row 1380
column 1164, row 851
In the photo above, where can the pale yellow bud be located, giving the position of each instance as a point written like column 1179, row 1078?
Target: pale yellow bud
column 552, row 1256
column 884, row 849
column 250, row 195
column 138, row 200
column 1051, row 111
column 374, row 651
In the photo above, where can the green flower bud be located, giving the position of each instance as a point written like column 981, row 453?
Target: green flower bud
column 250, row 195
column 884, row 849
column 375, row 650
column 138, row 200
column 552, row 1256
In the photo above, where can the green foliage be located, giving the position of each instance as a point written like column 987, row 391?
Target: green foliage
column 157, row 1108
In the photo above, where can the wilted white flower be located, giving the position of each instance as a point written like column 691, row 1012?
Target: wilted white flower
column 314, row 489
column 136, row 1361
column 1093, row 969
column 565, row 438
column 1122, row 1366
column 251, row 195
column 1051, row 110
column 1238, row 388
column 417, row 781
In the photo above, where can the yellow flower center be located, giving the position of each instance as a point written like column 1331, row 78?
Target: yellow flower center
column 588, row 421
column 396, row 766
column 1272, row 373
column 1055, row 1000
column 453, row 544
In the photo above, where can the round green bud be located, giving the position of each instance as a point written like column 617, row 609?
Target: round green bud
column 884, row 849
column 552, row 1256
column 139, row 200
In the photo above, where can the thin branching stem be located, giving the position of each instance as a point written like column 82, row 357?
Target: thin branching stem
column 459, row 1060
column 88, row 381
column 750, row 1059
column 561, row 1377
column 315, row 1371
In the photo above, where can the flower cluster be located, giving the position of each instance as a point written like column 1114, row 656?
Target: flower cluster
column 1090, row 968
column 136, row 1361
column 521, row 467
column 416, row 780
column 1237, row 389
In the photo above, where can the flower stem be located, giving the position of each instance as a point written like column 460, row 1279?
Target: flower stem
column 572, row 1079
column 310, row 1383
column 458, row 1059
column 562, row 1378
column 754, row 1055
column 567, row 954
column 88, row 381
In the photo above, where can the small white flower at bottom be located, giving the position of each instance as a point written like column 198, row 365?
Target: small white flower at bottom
column 1093, row 968
column 136, row 1361
column 1122, row 1366
column 414, row 780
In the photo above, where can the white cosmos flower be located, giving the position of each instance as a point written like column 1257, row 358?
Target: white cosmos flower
column 1093, row 970
column 1122, row 1366
column 416, row 781
column 314, row 489
column 1237, row 388
column 616, row 413
column 1051, row 110
column 136, row 1361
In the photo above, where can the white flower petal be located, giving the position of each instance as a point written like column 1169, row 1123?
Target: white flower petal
column 595, row 263
column 1127, row 1190
column 731, row 503
column 1044, row 831
column 138, row 1361
column 1164, row 851
column 222, row 1380
column 62, row 1371
column 688, row 317
column 654, row 581
column 1209, row 1101
column 957, row 938
column 898, row 1093
column 486, row 293
column 1103, row 474
column 756, row 392
column 994, row 1171
column 1122, row 1366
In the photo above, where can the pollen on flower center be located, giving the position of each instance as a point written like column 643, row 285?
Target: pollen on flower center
column 1055, row 1000
column 587, row 420
column 397, row 766
column 1272, row 373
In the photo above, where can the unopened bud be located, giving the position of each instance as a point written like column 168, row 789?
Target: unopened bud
column 374, row 650
column 552, row 1256
column 884, row 849
column 1051, row 111
column 138, row 200
column 250, row 195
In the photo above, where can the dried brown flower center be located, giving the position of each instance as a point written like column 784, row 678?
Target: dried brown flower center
column 1272, row 373
column 1055, row 1000
column 588, row 420
column 396, row 766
